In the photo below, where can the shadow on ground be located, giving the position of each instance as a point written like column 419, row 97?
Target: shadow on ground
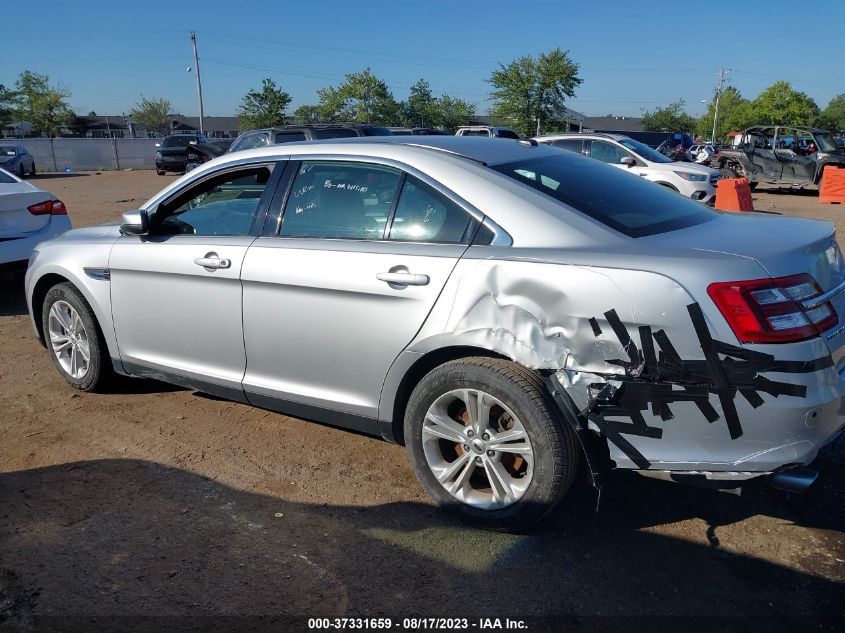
column 12, row 298
column 117, row 537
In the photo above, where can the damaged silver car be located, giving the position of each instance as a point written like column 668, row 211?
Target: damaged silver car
column 505, row 310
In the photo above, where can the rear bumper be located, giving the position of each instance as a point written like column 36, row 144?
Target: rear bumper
column 14, row 251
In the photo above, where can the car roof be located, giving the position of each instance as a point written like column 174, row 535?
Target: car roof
column 483, row 150
column 565, row 135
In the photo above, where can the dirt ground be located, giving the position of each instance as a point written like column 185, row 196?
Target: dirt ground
column 159, row 501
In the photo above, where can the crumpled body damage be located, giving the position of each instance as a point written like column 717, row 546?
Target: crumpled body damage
column 663, row 380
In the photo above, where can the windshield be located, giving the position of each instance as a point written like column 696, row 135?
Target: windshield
column 7, row 150
column 178, row 141
column 644, row 151
column 825, row 141
column 617, row 199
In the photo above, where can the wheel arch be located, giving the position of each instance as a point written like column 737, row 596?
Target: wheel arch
column 100, row 305
column 39, row 293
column 393, row 429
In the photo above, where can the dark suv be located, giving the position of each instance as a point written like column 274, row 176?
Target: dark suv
column 314, row 132
column 172, row 152
column 785, row 154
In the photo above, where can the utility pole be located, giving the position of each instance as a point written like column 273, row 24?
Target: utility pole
column 199, row 81
column 716, row 110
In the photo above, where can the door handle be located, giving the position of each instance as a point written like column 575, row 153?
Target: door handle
column 401, row 279
column 212, row 262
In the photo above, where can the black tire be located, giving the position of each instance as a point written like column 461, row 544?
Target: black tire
column 752, row 185
column 160, row 172
column 21, row 172
column 554, row 444
column 100, row 372
column 32, row 171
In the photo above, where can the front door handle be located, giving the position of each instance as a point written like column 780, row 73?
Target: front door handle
column 212, row 262
column 402, row 279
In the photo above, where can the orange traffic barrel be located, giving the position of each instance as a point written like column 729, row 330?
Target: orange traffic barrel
column 833, row 186
column 734, row 194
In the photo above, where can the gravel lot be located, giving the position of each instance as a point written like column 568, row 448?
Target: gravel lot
column 157, row 500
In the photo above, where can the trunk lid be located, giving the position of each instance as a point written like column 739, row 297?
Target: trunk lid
column 15, row 219
column 783, row 246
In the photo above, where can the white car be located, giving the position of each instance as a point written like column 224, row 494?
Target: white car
column 28, row 215
column 487, row 130
column 691, row 180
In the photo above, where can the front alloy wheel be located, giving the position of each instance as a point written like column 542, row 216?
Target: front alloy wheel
column 74, row 339
column 69, row 339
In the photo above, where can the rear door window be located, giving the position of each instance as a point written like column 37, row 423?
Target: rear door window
column 289, row 137
column 423, row 214
column 334, row 132
column 572, row 144
column 607, row 152
column 340, row 200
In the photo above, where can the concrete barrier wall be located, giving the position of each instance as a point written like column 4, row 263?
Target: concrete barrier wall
column 91, row 154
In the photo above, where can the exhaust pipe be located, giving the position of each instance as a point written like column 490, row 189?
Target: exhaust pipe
column 794, row 480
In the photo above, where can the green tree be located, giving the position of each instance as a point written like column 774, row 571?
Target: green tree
column 833, row 116
column 153, row 114
column 735, row 114
column 265, row 107
column 448, row 113
column 362, row 98
column 419, row 109
column 306, row 114
column 43, row 105
column 672, row 118
column 7, row 110
column 781, row 104
column 531, row 91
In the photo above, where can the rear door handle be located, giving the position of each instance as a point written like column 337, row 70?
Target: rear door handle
column 403, row 279
column 212, row 262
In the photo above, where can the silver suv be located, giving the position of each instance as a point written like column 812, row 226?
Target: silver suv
column 693, row 181
column 505, row 309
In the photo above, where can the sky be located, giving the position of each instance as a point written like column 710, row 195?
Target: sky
column 633, row 56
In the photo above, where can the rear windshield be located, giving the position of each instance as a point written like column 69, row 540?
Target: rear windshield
column 620, row 200
column 507, row 134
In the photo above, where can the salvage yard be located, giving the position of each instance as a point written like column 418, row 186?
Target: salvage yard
column 157, row 500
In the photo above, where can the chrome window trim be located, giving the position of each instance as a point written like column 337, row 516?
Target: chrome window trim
column 168, row 193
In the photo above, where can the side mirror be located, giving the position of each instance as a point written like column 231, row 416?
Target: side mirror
column 135, row 222
column 629, row 161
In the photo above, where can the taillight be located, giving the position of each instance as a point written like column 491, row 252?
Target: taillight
column 770, row 310
column 50, row 207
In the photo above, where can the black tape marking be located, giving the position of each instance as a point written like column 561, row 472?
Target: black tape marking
column 655, row 379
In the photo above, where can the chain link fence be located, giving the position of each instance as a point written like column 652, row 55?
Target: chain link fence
column 91, row 154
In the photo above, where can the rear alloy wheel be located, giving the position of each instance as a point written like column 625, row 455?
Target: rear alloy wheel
column 486, row 441
column 74, row 339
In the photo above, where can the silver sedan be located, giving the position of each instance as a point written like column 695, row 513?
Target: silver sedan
column 505, row 310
